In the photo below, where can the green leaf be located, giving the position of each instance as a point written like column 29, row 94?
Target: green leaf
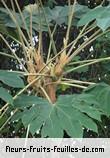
column 5, row 17
column 24, row 101
column 64, row 115
column 58, row 14
column 11, row 79
column 104, row 20
column 100, row 14
column 83, row 69
column 85, row 102
column 103, row 23
column 17, row 116
column 101, row 92
column 31, row 115
column 91, row 15
column 52, row 125
column 88, row 123
column 4, row 95
column 69, row 122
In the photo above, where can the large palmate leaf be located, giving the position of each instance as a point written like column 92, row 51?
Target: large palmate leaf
column 7, row 26
column 4, row 95
column 7, row 18
column 100, row 14
column 102, row 94
column 58, row 14
column 67, row 114
column 11, row 79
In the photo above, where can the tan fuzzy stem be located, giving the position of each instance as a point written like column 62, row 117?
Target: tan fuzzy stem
column 51, row 90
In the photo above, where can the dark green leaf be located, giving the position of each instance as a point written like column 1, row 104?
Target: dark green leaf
column 4, row 94
column 102, row 94
column 67, row 114
column 26, row 101
column 11, row 79
column 85, row 102
column 91, row 15
column 100, row 14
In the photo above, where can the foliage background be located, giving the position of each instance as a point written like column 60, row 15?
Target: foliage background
column 96, row 73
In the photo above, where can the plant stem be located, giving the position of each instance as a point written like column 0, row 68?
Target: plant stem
column 27, row 134
column 71, row 13
column 20, row 92
column 50, row 45
column 49, row 30
column 72, row 85
column 15, row 21
column 46, row 95
column 8, row 55
column 84, row 44
column 23, row 20
column 87, row 61
column 78, row 37
column 77, row 81
column 17, row 58
column 87, row 64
